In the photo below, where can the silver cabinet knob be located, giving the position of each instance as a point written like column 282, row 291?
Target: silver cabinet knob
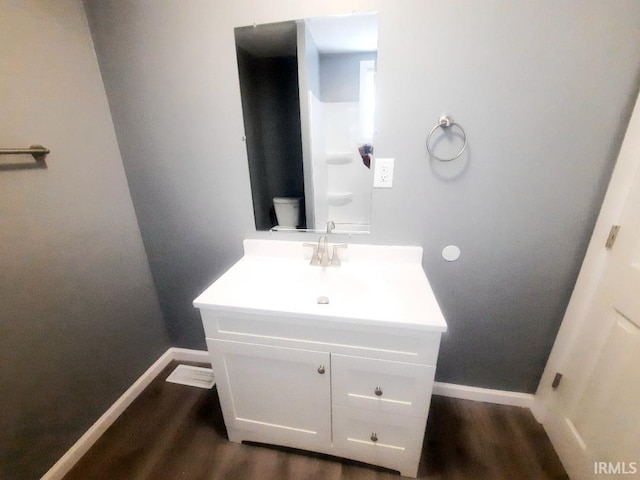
column 374, row 437
column 378, row 391
column 321, row 369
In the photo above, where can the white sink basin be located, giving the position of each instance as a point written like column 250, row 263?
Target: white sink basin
column 374, row 284
column 328, row 285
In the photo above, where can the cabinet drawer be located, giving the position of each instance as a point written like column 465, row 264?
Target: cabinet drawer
column 393, row 441
column 381, row 385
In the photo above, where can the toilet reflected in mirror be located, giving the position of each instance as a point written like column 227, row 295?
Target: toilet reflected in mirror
column 287, row 213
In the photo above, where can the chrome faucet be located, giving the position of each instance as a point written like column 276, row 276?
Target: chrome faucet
column 321, row 256
column 323, row 251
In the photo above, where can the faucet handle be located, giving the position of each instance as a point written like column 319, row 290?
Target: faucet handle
column 335, row 259
column 315, row 259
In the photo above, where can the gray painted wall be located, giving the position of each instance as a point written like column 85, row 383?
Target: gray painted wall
column 79, row 317
column 542, row 88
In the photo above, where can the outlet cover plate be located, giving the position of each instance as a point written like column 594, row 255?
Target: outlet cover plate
column 383, row 173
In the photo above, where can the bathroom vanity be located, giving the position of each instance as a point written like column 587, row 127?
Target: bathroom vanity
column 336, row 360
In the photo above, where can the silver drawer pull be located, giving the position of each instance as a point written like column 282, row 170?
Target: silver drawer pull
column 378, row 391
column 374, row 437
column 321, row 369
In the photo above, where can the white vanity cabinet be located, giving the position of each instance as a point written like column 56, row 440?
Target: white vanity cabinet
column 352, row 377
column 310, row 384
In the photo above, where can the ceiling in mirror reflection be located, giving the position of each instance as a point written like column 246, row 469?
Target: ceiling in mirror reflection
column 345, row 33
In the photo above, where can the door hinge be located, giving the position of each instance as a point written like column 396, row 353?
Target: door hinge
column 556, row 381
column 613, row 234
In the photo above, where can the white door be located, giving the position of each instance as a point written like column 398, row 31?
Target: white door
column 593, row 416
column 273, row 395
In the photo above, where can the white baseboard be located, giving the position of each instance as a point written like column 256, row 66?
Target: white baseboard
column 86, row 441
column 501, row 397
column 188, row 355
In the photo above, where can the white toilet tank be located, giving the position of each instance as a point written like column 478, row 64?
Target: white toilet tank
column 287, row 211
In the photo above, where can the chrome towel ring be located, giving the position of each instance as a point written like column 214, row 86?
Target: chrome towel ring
column 445, row 122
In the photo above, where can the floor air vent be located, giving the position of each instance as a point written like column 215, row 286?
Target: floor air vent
column 193, row 376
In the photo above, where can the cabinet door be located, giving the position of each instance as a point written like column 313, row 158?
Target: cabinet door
column 273, row 394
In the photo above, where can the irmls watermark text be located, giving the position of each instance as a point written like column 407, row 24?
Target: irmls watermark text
column 615, row 468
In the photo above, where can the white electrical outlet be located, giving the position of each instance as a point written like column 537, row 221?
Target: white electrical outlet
column 383, row 173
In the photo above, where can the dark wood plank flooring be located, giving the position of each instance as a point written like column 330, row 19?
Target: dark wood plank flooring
column 176, row 432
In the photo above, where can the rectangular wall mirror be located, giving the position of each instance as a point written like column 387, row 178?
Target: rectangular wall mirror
column 308, row 101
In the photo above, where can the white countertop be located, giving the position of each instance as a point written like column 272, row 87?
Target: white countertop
column 375, row 285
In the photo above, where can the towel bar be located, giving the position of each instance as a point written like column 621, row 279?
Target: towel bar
column 38, row 151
